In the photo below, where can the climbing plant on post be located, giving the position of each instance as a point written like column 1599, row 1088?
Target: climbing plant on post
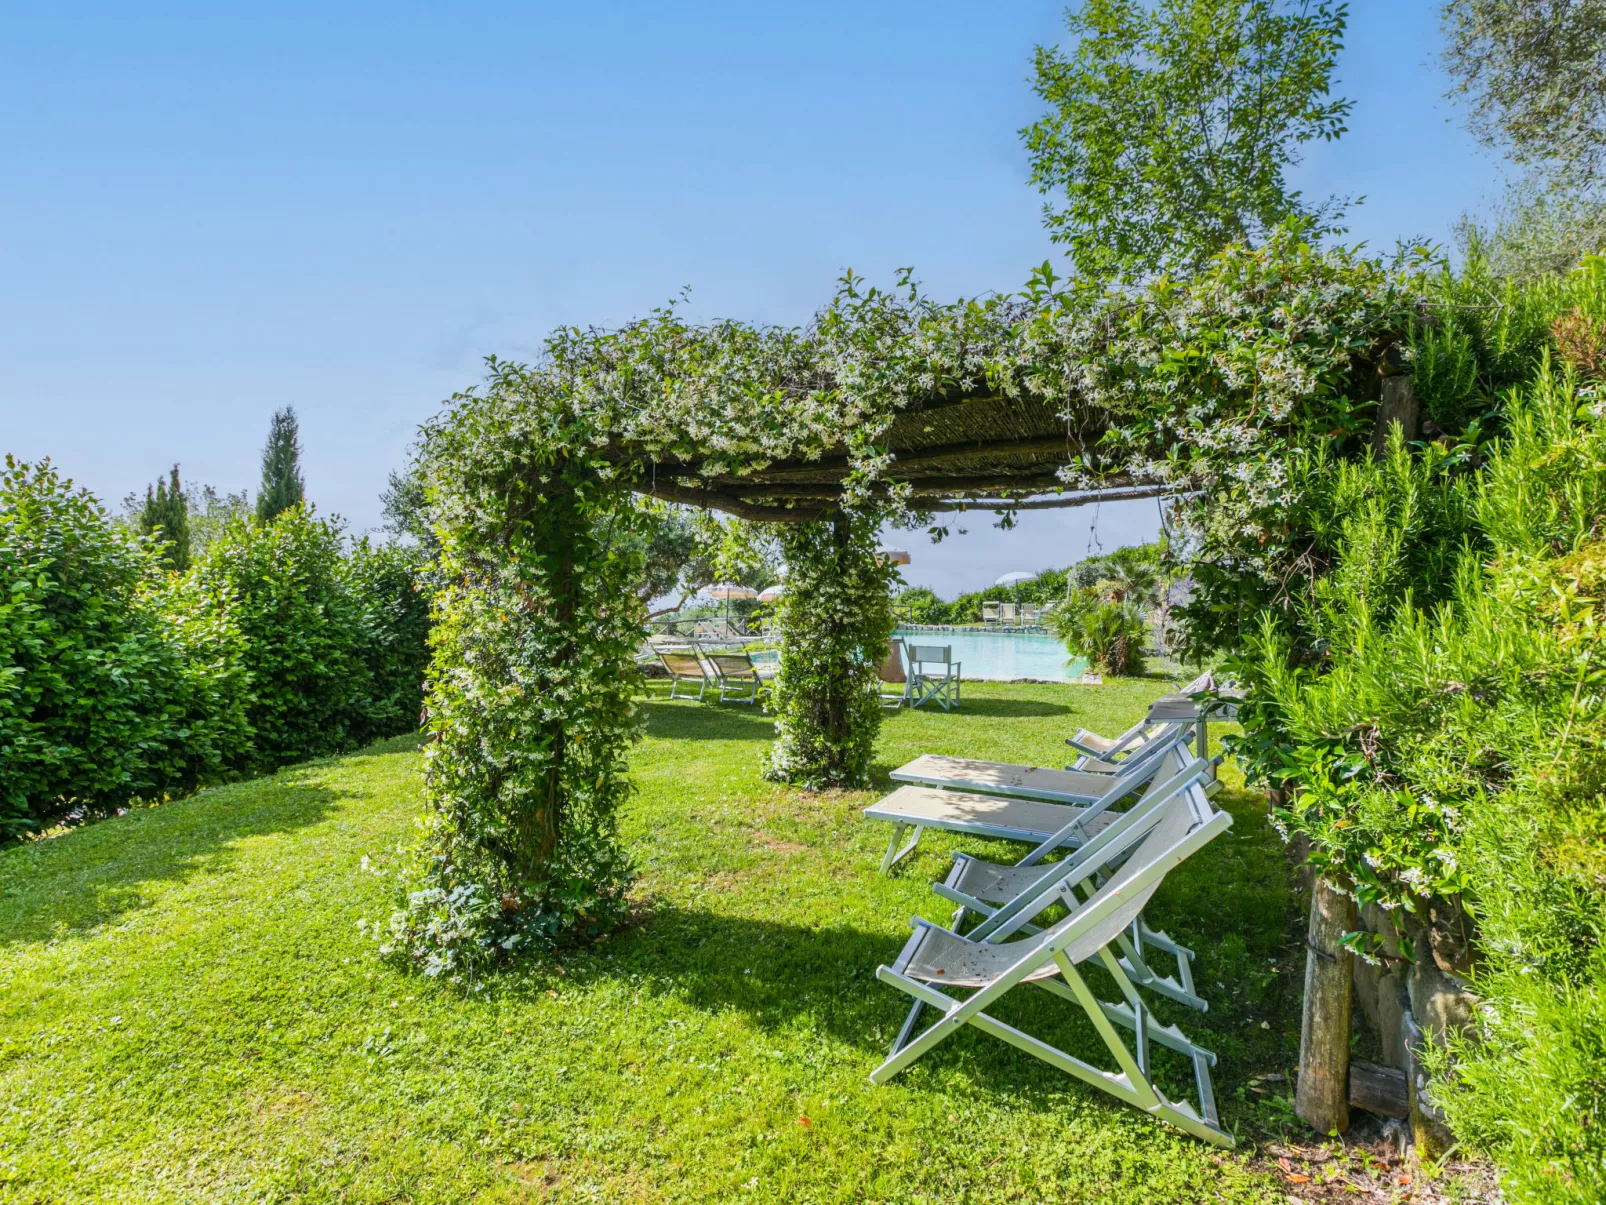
column 531, row 708
column 835, row 620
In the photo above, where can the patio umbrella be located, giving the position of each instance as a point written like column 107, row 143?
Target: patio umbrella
column 895, row 556
column 771, row 593
column 1010, row 579
column 728, row 591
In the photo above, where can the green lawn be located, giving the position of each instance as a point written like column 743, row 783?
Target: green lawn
column 188, row 1011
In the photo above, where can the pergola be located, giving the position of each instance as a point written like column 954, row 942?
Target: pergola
column 886, row 404
column 953, row 452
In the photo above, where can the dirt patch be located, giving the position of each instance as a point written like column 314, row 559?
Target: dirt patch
column 1371, row 1166
column 780, row 847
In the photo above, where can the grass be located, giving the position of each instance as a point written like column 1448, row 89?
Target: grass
column 188, row 1011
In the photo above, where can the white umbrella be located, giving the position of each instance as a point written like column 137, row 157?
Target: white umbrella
column 1010, row 579
column 896, row 556
column 728, row 591
column 771, row 593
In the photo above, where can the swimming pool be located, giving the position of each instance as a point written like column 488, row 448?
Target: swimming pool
column 993, row 655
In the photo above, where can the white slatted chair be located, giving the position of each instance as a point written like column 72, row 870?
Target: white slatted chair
column 936, row 959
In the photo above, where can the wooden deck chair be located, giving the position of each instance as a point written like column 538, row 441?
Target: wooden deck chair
column 895, row 685
column 736, row 673
column 997, row 893
column 936, row 959
column 989, row 613
column 935, row 675
column 684, row 665
column 1021, row 818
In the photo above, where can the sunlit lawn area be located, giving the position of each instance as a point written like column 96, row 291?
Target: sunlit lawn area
column 191, row 1013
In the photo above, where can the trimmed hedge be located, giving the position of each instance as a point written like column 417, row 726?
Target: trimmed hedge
column 122, row 681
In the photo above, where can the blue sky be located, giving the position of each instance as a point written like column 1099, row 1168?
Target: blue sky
column 215, row 210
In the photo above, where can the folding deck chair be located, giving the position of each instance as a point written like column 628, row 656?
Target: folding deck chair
column 939, row 685
column 1022, row 815
column 684, row 665
column 993, row 967
column 995, row 892
column 736, row 672
column 1031, row 782
column 989, row 613
column 1168, row 714
column 1097, row 746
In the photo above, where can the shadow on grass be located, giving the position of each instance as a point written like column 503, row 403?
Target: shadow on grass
column 688, row 720
column 971, row 706
column 791, row 981
column 96, row 874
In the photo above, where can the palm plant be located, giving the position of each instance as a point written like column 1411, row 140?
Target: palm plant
column 1107, row 632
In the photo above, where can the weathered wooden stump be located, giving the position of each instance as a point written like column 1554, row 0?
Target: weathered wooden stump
column 1322, row 1096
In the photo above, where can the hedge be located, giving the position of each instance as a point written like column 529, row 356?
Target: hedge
column 122, row 681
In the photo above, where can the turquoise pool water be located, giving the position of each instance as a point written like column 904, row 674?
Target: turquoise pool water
column 997, row 656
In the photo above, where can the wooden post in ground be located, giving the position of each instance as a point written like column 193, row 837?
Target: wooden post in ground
column 1397, row 405
column 1322, row 1097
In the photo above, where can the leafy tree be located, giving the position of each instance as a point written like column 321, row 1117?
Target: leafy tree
column 1534, row 73
column 1537, row 231
column 166, row 515
column 1126, row 575
column 281, row 467
column 207, row 511
column 404, row 504
column 1171, row 128
column 1108, row 632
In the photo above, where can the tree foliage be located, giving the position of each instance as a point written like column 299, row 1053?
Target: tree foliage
column 1537, row 232
column 284, row 586
column 1534, row 75
column 1171, row 128
column 165, row 516
column 282, row 487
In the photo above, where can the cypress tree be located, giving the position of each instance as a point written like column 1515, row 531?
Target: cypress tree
column 167, row 513
column 281, row 467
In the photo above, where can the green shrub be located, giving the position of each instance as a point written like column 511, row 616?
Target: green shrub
column 1450, row 742
column 394, row 604
column 307, row 635
column 1108, row 634
column 104, row 698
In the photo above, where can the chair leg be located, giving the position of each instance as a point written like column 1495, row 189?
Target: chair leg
column 894, row 855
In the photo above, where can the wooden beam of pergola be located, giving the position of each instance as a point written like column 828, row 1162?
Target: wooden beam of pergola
column 817, row 505
column 1063, row 502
